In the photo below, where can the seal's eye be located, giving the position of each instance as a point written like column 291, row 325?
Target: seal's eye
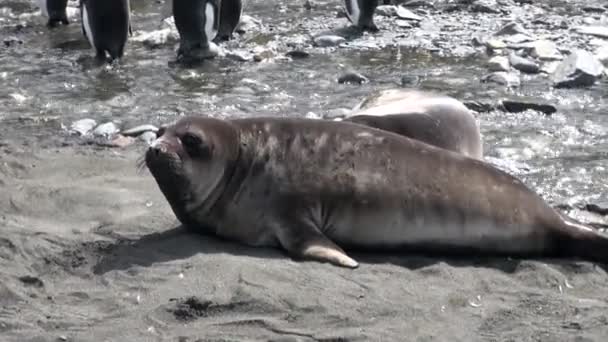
column 194, row 145
column 160, row 131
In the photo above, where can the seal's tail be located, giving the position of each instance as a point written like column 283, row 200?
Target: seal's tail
column 579, row 240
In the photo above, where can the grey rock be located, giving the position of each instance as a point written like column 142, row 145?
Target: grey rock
column 484, row 6
column 579, row 69
column 545, row 50
column 107, row 129
column 495, row 44
column 83, row 126
column 386, row 10
column 598, row 31
column 517, row 106
column 479, row 106
column 593, row 9
column 410, row 80
column 328, row 40
column 336, row 113
column 352, row 78
column 247, row 23
column 511, row 28
column 601, row 53
column 498, row 63
column 404, row 13
column 239, row 55
column 158, row 38
column 297, row 54
column 418, row 3
column 518, row 38
column 148, row 137
column 504, row 78
column 523, row 64
column 138, row 130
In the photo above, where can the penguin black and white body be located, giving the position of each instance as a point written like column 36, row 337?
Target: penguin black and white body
column 230, row 16
column 106, row 24
column 197, row 23
column 55, row 10
column 361, row 13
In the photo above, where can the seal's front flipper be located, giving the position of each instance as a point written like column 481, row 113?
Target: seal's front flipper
column 308, row 243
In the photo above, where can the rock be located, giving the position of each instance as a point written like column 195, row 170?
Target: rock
column 239, row 55
column 523, row 64
column 601, row 53
column 31, row 281
column 579, row 69
column 156, row 39
column 18, row 97
column 353, row 77
column 495, row 44
column 386, row 10
column 418, row 3
column 549, row 67
column 410, row 80
column 83, row 126
column 478, row 106
column 511, row 28
column 518, row 38
column 312, row 115
column 107, row 129
column 336, row 113
column 262, row 54
column 403, row 23
column 516, row 106
column 598, row 31
column 404, row 13
column 11, row 41
column 545, row 50
column 119, row 141
column 502, row 77
column 247, row 23
column 593, row 9
column 138, row 130
column 498, row 63
column 148, row 137
column 595, row 208
column 297, row 54
column 328, row 40
column 484, row 6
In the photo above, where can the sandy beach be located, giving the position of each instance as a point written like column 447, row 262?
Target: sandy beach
column 91, row 251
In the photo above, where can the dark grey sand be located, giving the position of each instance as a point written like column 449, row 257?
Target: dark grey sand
column 90, row 251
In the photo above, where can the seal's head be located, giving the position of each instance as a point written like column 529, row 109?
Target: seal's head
column 191, row 161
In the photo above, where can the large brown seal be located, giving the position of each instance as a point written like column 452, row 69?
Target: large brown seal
column 433, row 118
column 314, row 187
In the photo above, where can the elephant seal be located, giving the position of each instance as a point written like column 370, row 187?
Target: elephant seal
column 106, row 24
column 55, row 10
column 314, row 187
column 433, row 118
column 361, row 13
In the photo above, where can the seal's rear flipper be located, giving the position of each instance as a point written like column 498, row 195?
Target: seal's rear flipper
column 309, row 243
column 585, row 242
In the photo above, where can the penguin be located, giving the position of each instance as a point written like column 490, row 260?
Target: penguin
column 55, row 10
column 197, row 23
column 106, row 24
column 230, row 16
column 361, row 13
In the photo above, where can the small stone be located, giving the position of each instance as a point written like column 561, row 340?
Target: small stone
column 297, row 54
column 545, row 50
column 336, row 113
column 511, row 28
column 106, row 130
column 239, row 55
column 328, row 40
column 31, row 281
column 352, row 77
column 579, row 69
column 138, row 130
column 501, row 77
column 593, row 9
column 515, row 106
column 498, row 63
column 601, row 53
column 404, row 13
column 386, row 10
column 549, row 67
column 410, row 80
column 495, row 44
column 418, row 3
column 484, row 6
column 148, row 137
column 523, row 64
column 247, row 23
column 598, row 31
column 518, row 38
column 312, row 115
column 479, row 106
column 120, row 141
column 83, row 126
column 156, row 39
column 262, row 55
column 403, row 23
column 11, row 41
column 18, row 97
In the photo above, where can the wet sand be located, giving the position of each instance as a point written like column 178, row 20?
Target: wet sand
column 90, row 251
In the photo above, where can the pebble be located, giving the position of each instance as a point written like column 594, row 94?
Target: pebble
column 517, row 106
column 11, row 41
column 484, row 6
column 419, row 3
column 18, row 97
column 498, row 63
column 579, row 69
column 598, row 31
column 352, row 77
column 297, row 54
column 501, row 77
column 495, row 44
column 601, row 53
column 511, row 28
column 328, row 40
column 404, row 13
column 545, row 50
column 518, row 38
column 523, row 64
column 336, row 113
column 83, row 126
column 239, row 55
column 262, row 54
column 138, row 130
column 106, row 130
column 119, row 141
column 247, row 23
column 386, row 10
column 148, row 137
column 156, row 39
